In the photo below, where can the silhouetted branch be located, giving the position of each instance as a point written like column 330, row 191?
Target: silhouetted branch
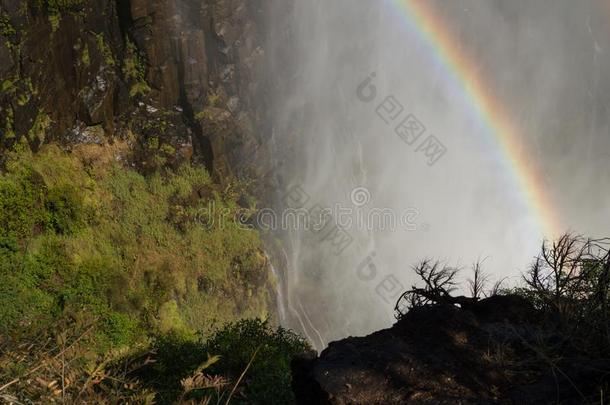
column 479, row 280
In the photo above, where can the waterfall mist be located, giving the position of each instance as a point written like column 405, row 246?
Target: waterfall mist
column 547, row 64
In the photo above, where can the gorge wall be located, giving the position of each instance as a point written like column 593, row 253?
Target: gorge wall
column 185, row 72
column 129, row 100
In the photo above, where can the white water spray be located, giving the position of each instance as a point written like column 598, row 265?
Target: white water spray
column 332, row 140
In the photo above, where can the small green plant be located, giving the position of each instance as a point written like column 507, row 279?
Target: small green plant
column 134, row 70
column 86, row 58
column 105, row 49
column 64, row 206
column 214, row 98
column 54, row 20
column 203, row 115
column 59, row 5
column 139, row 88
column 8, row 86
column 41, row 125
column 6, row 28
column 55, row 8
column 9, row 131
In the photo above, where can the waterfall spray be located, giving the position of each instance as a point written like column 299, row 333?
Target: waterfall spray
column 404, row 100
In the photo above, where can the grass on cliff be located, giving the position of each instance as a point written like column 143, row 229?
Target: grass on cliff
column 81, row 233
column 119, row 287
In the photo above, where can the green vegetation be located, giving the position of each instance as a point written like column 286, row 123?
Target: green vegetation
column 123, row 276
column 40, row 127
column 214, row 98
column 119, row 282
column 61, row 4
column 9, row 132
column 104, row 49
column 86, row 58
column 55, row 8
column 6, row 28
column 54, row 20
column 139, row 88
column 8, row 86
column 251, row 367
column 9, row 32
column 156, row 153
column 80, row 233
column 250, row 344
column 214, row 101
column 134, row 69
column 206, row 114
column 272, row 352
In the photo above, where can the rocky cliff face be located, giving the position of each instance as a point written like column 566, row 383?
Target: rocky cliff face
column 178, row 78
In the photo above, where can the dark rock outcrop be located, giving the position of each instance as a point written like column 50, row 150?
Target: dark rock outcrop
column 181, row 75
column 447, row 355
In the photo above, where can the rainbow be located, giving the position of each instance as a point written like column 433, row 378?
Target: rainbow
column 422, row 19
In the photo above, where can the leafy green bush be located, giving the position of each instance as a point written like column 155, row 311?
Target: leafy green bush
column 269, row 377
column 251, row 346
column 20, row 202
column 65, row 207
column 134, row 69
